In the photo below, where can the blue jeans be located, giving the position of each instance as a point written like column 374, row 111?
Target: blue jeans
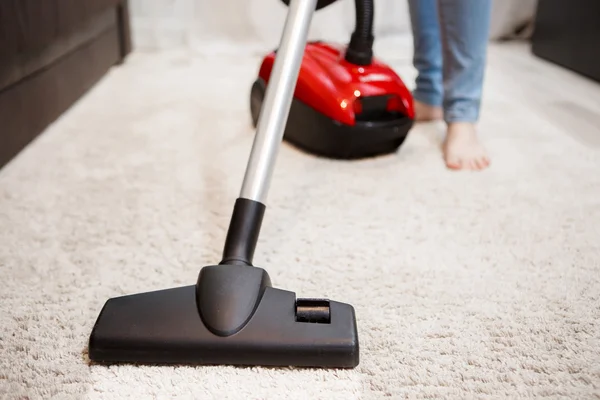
column 450, row 45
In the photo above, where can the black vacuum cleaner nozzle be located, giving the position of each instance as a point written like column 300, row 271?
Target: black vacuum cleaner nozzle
column 231, row 316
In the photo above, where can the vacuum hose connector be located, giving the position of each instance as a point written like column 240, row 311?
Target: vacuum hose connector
column 360, row 48
column 244, row 229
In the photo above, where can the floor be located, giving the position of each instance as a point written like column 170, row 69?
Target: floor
column 465, row 284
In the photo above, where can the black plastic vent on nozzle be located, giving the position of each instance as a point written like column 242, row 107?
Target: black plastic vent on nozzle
column 316, row 311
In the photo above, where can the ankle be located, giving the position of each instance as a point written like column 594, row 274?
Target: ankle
column 461, row 128
column 427, row 112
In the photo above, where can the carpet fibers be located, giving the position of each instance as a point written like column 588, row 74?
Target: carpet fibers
column 466, row 285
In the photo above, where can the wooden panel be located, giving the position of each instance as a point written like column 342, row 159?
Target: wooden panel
column 25, row 63
column 27, row 25
column 568, row 34
column 27, row 108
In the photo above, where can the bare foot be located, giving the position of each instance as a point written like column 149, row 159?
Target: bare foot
column 425, row 112
column 462, row 149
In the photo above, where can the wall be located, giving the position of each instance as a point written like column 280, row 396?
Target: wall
column 255, row 25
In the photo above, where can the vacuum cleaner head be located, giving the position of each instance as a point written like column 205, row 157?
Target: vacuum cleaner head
column 232, row 316
column 341, row 110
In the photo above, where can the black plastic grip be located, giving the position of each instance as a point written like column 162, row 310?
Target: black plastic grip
column 243, row 232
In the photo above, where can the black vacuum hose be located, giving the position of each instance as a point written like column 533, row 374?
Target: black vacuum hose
column 360, row 49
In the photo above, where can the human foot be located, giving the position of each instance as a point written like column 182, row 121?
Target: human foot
column 426, row 112
column 462, row 149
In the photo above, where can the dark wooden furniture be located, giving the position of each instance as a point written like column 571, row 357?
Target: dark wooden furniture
column 51, row 53
column 567, row 33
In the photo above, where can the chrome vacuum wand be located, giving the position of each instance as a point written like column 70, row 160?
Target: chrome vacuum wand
column 233, row 315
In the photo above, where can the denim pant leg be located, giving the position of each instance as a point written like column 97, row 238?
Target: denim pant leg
column 464, row 28
column 427, row 58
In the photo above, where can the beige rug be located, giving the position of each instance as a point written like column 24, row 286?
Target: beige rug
column 466, row 285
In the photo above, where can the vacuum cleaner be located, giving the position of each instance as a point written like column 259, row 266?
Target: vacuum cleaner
column 233, row 315
column 347, row 104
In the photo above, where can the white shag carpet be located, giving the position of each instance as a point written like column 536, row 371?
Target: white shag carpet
column 466, row 285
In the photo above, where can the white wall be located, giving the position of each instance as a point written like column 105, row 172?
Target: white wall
column 254, row 25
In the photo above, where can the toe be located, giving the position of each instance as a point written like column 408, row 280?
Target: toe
column 483, row 162
column 453, row 162
column 479, row 163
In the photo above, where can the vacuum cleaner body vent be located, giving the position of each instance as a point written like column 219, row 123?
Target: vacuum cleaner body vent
column 340, row 109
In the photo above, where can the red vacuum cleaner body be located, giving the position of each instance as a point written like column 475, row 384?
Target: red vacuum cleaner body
column 341, row 109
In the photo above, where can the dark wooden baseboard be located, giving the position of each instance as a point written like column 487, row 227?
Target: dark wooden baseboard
column 27, row 108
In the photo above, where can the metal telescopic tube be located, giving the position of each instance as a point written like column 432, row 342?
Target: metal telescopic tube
column 278, row 99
